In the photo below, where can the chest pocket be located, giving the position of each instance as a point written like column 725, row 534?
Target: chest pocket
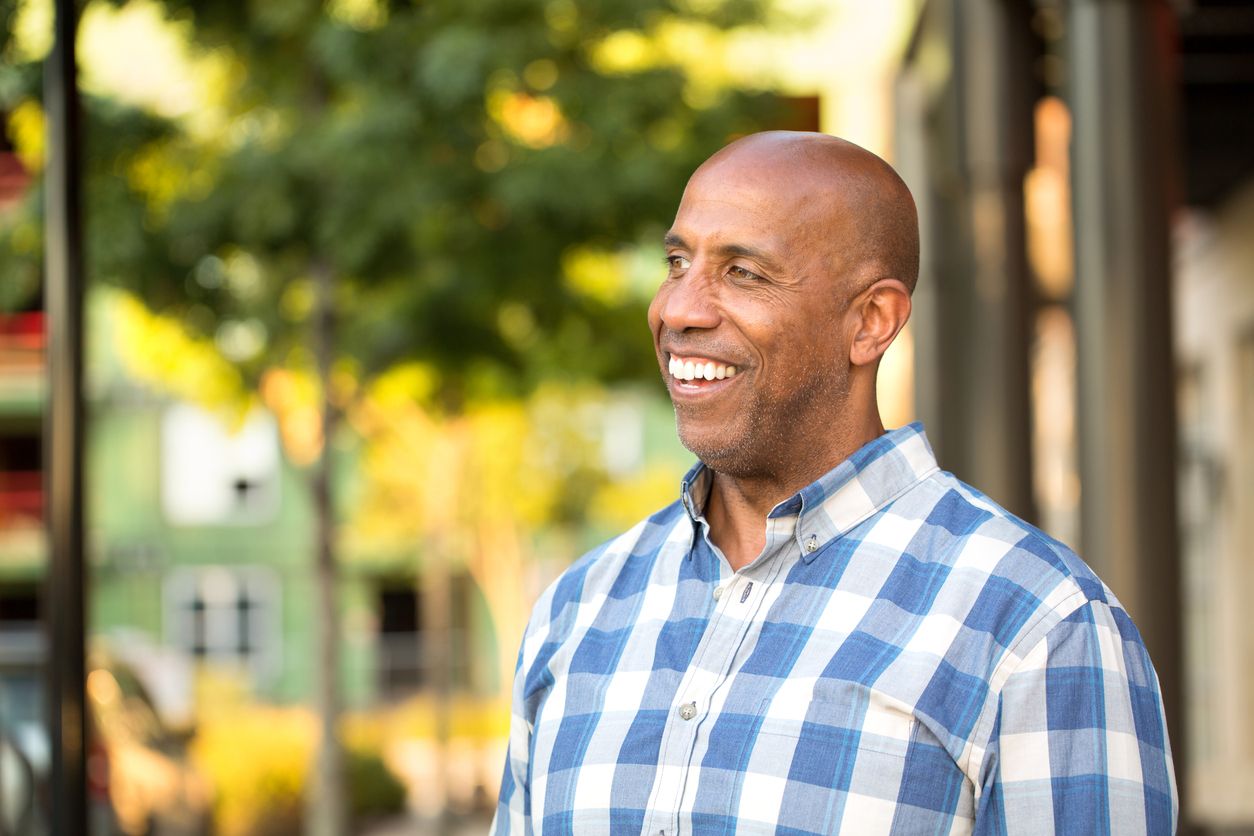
column 826, row 762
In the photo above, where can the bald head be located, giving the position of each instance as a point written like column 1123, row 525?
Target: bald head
column 853, row 199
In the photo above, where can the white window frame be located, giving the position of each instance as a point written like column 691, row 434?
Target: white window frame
column 218, row 588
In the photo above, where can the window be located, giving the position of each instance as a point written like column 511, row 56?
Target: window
column 226, row 617
column 400, row 643
column 423, row 626
column 210, row 475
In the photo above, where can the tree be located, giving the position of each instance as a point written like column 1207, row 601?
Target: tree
column 393, row 181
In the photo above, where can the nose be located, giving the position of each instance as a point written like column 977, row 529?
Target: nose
column 688, row 302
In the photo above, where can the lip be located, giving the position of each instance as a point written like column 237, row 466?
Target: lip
column 699, row 358
column 670, row 350
column 692, row 391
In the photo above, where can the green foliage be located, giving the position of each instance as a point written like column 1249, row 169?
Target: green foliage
column 8, row 19
column 373, row 789
column 121, row 233
column 439, row 158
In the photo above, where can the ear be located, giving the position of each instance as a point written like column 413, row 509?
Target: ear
column 879, row 313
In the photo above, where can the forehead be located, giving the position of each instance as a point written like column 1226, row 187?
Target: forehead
column 769, row 206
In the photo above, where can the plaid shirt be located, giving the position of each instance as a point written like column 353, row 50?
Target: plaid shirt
column 903, row 657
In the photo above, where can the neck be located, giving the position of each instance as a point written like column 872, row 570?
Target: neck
column 738, row 505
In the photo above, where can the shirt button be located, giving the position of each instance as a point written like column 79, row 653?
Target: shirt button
column 718, row 592
column 812, row 544
column 688, row 710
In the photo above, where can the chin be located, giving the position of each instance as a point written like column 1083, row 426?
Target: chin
column 723, row 451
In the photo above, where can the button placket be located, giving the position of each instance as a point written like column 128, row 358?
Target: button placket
column 729, row 623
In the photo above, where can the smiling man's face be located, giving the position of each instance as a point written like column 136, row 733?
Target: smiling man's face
column 748, row 324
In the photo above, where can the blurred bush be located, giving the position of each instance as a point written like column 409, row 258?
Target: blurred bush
column 372, row 788
column 258, row 758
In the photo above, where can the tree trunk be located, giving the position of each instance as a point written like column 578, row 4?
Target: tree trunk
column 437, row 628
column 326, row 807
column 497, row 564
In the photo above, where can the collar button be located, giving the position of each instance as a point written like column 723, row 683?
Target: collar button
column 812, row 544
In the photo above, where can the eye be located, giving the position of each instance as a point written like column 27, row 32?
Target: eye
column 678, row 262
column 738, row 272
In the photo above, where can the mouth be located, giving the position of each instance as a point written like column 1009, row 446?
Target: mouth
column 694, row 374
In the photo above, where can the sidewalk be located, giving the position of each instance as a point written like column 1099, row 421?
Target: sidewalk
column 412, row 825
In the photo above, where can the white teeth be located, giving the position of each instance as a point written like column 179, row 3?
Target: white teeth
column 690, row 370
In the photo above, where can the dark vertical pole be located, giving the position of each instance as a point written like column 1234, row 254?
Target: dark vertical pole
column 996, row 94
column 63, row 434
column 1121, row 96
column 973, row 305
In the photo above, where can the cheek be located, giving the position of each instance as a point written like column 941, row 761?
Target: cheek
column 806, row 348
column 764, row 328
column 823, row 332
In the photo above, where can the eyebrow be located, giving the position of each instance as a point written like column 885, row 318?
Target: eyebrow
column 726, row 250
column 673, row 240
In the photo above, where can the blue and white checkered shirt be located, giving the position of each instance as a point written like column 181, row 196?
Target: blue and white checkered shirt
column 903, row 657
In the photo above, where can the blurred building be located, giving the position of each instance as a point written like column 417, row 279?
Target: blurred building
column 199, row 536
column 21, row 416
column 1085, row 324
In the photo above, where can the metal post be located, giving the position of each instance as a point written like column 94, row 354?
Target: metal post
column 63, row 435
column 1121, row 96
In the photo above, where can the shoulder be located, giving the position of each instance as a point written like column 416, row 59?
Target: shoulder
column 622, row 561
column 1003, row 590
column 1022, row 574
column 1030, row 617
column 571, row 603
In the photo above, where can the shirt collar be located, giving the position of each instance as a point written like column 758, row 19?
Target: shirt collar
column 824, row 510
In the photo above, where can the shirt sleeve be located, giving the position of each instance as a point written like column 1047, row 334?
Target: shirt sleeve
column 513, row 808
column 1079, row 743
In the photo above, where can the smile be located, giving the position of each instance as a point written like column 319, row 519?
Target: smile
column 699, row 368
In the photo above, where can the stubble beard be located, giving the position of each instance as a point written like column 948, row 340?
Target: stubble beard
column 766, row 440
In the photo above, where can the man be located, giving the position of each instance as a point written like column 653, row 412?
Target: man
column 826, row 634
